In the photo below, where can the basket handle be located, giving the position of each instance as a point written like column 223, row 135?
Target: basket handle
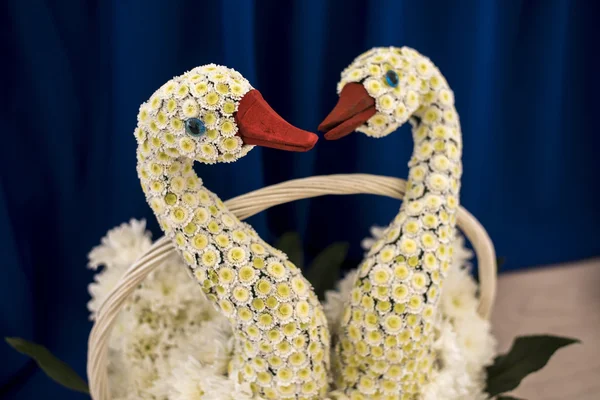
column 252, row 203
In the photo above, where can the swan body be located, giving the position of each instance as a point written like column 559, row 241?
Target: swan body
column 212, row 114
column 385, row 347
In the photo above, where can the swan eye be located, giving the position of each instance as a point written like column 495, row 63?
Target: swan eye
column 195, row 127
column 391, row 78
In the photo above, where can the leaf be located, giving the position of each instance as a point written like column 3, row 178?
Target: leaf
column 56, row 369
column 527, row 355
column 500, row 261
column 324, row 271
column 508, row 398
column 291, row 245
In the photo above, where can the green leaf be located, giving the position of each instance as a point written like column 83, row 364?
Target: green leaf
column 324, row 271
column 291, row 245
column 500, row 261
column 508, row 398
column 52, row 366
column 527, row 355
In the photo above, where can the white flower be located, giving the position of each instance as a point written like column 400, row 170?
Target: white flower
column 103, row 283
column 167, row 291
column 118, row 250
column 454, row 380
column 477, row 345
column 192, row 381
column 335, row 300
column 121, row 246
column 376, row 233
column 461, row 255
column 166, row 320
column 459, row 294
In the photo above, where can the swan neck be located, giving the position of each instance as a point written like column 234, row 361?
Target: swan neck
column 435, row 167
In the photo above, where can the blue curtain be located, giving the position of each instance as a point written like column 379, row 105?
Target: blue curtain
column 525, row 74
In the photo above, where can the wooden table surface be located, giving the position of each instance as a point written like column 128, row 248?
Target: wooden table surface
column 562, row 300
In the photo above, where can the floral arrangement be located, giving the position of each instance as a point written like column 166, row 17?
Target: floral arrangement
column 390, row 321
column 170, row 343
column 249, row 325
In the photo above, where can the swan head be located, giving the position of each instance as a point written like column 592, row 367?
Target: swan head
column 212, row 114
column 379, row 91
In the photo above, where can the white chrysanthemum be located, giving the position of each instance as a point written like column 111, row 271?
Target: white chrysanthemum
column 121, row 246
column 192, row 381
column 462, row 255
column 477, row 345
column 335, row 299
column 168, row 291
column 455, row 380
column 376, row 233
column 166, row 319
column 459, row 294
column 103, row 283
column 118, row 250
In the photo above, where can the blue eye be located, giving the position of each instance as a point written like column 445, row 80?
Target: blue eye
column 195, row 127
column 391, row 78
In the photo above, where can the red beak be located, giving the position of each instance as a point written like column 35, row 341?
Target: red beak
column 260, row 125
column 353, row 109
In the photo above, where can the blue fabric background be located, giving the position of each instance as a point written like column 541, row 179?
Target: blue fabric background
column 524, row 73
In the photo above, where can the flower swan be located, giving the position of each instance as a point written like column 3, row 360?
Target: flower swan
column 211, row 114
column 386, row 338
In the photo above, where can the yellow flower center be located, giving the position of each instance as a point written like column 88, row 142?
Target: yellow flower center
column 222, row 88
column 212, row 98
column 201, row 88
column 230, row 144
column 263, row 287
column 187, row 145
column 229, row 107
column 209, row 118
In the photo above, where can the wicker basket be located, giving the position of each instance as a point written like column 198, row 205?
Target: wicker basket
column 245, row 206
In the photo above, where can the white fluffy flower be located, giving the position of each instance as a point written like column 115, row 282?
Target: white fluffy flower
column 211, row 345
column 477, row 344
column 118, row 250
column 168, row 290
column 462, row 255
column 459, row 294
column 164, row 322
column 376, row 233
column 192, row 381
column 455, row 380
column 335, row 299
column 121, row 246
column 103, row 283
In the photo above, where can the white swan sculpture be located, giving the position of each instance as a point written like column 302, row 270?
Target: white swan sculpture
column 212, row 114
column 385, row 349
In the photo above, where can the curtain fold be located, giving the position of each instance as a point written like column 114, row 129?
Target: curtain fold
column 524, row 75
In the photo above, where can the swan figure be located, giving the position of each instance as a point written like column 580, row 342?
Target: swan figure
column 385, row 342
column 211, row 114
